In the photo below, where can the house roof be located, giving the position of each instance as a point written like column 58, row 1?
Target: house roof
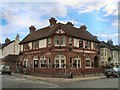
column 5, row 44
column 104, row 44
column 10, row 58
column 47, row 31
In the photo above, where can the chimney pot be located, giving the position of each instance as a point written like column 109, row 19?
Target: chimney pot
column 83, row 27
column 32, row 29
column 52, row 21
column 69, row 23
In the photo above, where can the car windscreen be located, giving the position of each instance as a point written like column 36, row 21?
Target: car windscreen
column 116, row 69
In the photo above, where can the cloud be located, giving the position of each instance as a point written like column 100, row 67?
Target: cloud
column 20, row 16
column 109, row 7
column 102, row 19
column 116, row 23
column 108, row 35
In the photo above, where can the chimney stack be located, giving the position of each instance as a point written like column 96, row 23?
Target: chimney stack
column 32, row 29
column 17, row 37
column 7, row 40
column 69, row 23
column 52, row 21
column 83, row 27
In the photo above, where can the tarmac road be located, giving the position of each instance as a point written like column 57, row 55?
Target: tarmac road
column 13, row 81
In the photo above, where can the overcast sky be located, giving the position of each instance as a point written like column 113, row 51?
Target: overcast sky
column 100, row 17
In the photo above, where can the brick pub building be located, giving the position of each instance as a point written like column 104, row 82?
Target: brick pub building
column 60, row 48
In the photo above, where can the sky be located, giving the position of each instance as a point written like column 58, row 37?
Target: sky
column 100, row 17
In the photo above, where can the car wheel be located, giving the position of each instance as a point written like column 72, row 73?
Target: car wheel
column 3, row 73
column 108, row 76
column 9, row 73
column 117, row 76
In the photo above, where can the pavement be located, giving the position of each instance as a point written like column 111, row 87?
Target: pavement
column 78, row 78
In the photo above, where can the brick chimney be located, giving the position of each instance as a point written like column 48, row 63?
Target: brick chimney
column 52, row 21
column 32, row 29
column 83, row 27
column 7, row 40
column 69, row 23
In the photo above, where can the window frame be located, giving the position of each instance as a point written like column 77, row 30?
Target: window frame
column 88, row 59
column 59, row 58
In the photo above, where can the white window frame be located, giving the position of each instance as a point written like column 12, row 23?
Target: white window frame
column 85, row 62
column 78, row 59
column 63, row 39
column 60, row 58
column 25, row 62
column 57, row 38
column 43, row 58
column 35, row 58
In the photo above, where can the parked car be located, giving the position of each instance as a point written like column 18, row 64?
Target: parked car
column 4, row 69
column 115, row 72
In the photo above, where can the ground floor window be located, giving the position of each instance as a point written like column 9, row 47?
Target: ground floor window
column 35, row 59
column 77, row 62
column 88, row 63
column 60, row 61
column 35, row 63
column 43, row 61
column 26, row 62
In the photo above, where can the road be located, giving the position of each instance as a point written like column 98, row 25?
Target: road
column 100, row 83
column 11, row 81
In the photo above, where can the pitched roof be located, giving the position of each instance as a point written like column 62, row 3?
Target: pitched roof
column 5, row 44
column 46, row 32
column 104, row 44
column 10, row 58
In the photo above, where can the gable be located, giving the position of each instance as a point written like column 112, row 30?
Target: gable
column 59, row 31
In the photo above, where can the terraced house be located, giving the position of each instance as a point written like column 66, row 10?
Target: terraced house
column 109, row 53
column 59, row 48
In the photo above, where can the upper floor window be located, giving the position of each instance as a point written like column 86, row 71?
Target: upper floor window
column 70, row 41
column 57, row 40
column 81, row 43
column 35, row 44
column 26, row 47
column 63, row 40
column 49, row 42
column 95, row 45
column 60, row 40
column 101, row 52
